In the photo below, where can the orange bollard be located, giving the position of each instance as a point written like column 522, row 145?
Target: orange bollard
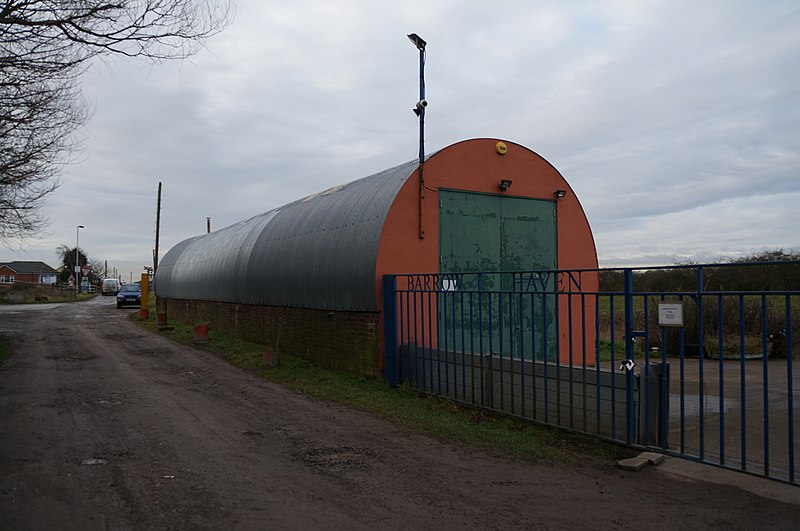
column 272, row 358
column 201, row 333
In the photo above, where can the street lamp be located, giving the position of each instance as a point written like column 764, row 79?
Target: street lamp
column 77, row 266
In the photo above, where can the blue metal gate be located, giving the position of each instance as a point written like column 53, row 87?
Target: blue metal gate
column 685, row 360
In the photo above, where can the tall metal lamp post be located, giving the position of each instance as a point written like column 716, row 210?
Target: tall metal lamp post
column 77, row 265
column 419, row 110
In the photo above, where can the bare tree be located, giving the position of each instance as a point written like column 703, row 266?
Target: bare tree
column 44, row 48
column 37, row 121
column 71, row 31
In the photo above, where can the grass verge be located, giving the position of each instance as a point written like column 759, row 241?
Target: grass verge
column 445, row 420
column 48, row 299
column 5, row 349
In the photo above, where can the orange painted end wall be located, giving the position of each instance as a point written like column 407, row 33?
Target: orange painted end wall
column 475, row 166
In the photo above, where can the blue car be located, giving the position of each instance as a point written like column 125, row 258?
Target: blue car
column 129, row 294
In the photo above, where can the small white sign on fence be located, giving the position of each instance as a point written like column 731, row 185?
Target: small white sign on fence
column 670, row 314
column 449, row 284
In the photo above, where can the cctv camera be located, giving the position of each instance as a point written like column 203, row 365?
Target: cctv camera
column 421, row 104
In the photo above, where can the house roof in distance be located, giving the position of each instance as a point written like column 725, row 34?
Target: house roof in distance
column 28, row 267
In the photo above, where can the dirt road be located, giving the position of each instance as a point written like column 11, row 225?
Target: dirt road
column 103, row 425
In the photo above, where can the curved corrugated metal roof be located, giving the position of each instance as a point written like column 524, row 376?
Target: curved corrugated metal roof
column 318, row 252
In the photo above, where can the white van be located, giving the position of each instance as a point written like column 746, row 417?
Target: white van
column 111, row 286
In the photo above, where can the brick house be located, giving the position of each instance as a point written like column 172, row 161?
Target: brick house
column 27, row 271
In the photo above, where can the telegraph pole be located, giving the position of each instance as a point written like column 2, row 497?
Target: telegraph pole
column 158, row 228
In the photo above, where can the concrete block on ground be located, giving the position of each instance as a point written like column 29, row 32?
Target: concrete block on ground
column 634, row 464
column 653, row 458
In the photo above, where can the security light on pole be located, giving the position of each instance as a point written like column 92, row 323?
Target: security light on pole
column 419, row 110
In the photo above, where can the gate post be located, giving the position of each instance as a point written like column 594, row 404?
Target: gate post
column 630, row 377
column 390, row 374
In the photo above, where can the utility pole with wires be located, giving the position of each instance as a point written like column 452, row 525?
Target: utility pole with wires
column 158, row 229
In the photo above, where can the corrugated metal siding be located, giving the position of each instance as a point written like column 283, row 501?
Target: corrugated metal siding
column 318, row 252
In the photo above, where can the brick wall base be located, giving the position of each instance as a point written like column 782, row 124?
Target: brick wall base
column 349, row 341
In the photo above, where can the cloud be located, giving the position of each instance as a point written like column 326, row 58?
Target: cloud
column 676, row 123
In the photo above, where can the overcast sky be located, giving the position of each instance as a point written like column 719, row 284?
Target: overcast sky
column 677, row 123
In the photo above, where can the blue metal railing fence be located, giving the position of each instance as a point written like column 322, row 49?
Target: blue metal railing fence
column 675, row 358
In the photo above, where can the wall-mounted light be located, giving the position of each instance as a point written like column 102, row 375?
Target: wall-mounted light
column 560, row 193
column 504, row 185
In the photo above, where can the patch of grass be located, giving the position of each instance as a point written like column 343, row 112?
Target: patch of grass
column 5, row 349
column 46, row 299
column 619, row 351
column 442, row 419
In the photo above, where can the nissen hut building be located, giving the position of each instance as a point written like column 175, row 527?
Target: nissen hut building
column 306, row 278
